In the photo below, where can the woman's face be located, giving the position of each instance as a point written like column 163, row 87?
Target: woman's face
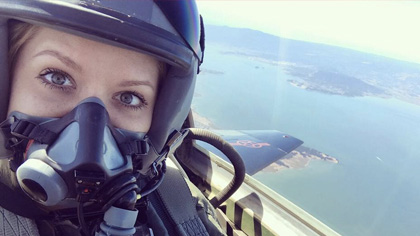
column 55, row 71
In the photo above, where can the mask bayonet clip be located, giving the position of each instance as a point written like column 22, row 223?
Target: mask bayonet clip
column 171, row 146
column 176, row 141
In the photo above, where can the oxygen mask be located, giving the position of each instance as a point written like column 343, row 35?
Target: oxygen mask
column 76, row 158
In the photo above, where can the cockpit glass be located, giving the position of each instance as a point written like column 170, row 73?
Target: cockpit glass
column 343, row 77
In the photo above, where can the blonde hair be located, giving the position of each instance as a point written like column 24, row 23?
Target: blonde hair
column 22, row 32
column 19, row 34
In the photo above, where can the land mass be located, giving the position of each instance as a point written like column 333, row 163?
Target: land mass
column 298, row 159
column 324, row 68
column 202, row 122
column 210, row 71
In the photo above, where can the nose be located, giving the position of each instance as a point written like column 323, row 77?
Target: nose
column 92, row 118
column 92, row 91
column 93, row 100
column 95, row 144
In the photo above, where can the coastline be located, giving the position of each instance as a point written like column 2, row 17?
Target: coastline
column 298, row 159
column 202, row 122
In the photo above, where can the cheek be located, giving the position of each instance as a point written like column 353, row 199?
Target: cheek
column 25, row 96
column 29, row 96
column 138, row 121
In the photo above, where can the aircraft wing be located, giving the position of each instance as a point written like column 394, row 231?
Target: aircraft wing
column 258, row 148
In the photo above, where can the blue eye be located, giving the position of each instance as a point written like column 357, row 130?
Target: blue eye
column 59, row 79
column 56, row 79
column 131, row 100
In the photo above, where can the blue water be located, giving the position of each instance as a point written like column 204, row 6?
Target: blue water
column 374, row 190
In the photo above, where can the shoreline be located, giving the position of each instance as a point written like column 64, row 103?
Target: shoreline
column 202, row 122
column 299, row 159
column 296, row 159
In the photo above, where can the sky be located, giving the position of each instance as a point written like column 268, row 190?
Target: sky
column 388, row 28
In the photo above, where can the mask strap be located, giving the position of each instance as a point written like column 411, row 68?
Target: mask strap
column 28, row 130
column 135, row 147
column 6, row 140
column 13, row 147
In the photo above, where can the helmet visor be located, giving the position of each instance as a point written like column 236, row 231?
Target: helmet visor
column 136, row 24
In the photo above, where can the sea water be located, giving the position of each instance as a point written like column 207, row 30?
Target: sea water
column 375, row 188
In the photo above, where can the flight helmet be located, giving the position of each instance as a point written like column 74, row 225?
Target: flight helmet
column 170, row 31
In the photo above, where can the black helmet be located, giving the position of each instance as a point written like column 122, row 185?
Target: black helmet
column 170, row 31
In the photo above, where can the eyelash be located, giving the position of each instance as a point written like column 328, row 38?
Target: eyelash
column 134, row 93
column 51, row 85
column 66, row 89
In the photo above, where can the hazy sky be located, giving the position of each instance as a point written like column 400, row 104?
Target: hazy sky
column 388, row 28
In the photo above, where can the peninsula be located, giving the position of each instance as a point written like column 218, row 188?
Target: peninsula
column 298, row 159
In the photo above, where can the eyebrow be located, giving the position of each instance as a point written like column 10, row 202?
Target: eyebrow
column 64, row 59
column 129, row 83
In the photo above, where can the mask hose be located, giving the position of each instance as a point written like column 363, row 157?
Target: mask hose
column 120, row 205
column 231, row 154
column 81, row 219
column 155, row 182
